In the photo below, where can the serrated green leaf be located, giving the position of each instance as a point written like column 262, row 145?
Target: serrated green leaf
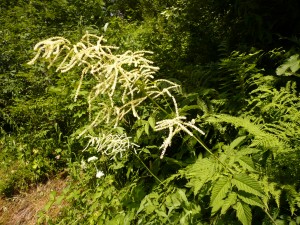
column 243, row 213
column 196, row 184
column 216, row 206
column 220, row 190
column 250, row 199
column 229, row 201
column 245, row 183
column 247, row 163
column 188, row 107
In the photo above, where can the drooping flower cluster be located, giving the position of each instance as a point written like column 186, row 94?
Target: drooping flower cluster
column 113, row 145
column 175, row 125
column 126, row 80
column 127, row 77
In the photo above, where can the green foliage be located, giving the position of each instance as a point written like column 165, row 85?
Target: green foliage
column 290, row 67
column 232, row 176
column 130, row 142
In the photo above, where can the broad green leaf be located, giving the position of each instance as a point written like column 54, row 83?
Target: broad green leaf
column 219, row 190
column 245, row 183
column 229, row 201
column 247, row 163
column 243, row 213
column 216, row 206
column 59, row 200
column 151, row 122
column 175, row 200
column 250, row 199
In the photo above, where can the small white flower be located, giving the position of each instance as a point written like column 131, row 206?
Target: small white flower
column 99, row 174
column 93, row 158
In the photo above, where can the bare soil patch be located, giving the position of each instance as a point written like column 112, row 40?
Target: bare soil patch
column 24, row 208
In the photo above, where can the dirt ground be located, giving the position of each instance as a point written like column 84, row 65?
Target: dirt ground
column 25, row 207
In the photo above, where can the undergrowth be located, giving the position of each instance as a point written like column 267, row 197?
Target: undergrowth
column 156, row 155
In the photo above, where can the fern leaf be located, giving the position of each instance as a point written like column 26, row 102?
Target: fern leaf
column 219, row 191
column 245, row 183
column 229, row 201
column 247, row 151
column 243, row 213
column 262, row 138
column 276, row 193
column 293, row 197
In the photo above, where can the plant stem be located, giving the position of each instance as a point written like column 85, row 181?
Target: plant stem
column 210, row 152
column 271, row 218
column 154, row 102
column 156, row 178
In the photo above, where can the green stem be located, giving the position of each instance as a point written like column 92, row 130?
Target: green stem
column 155, row 103
column 156, row 178
column 210, row 152
column 271, row 218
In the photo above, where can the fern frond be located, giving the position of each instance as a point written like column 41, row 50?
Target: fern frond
column 293, row 197
column 271, row 190
column 261, row 138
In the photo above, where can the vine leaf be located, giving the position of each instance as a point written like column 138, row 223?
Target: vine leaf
column 245, row 183
column 243, row 213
